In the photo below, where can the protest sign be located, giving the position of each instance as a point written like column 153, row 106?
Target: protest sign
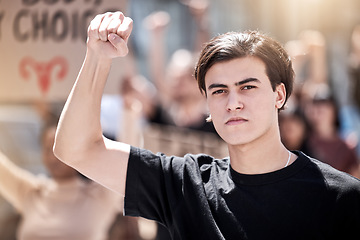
column 42, row 45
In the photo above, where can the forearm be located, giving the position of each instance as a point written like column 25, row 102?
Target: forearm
column 131, row 129
column 156, row 60
column 14, row 182
column 156, row 24
column 319, row 66
column 79, row 127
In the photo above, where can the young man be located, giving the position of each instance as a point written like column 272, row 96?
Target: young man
column 261, row 191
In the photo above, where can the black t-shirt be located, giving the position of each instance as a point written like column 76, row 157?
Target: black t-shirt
column 198, row 197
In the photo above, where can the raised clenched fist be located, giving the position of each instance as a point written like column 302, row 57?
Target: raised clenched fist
column 108, row 34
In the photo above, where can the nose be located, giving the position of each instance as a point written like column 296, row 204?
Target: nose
column 234, row 103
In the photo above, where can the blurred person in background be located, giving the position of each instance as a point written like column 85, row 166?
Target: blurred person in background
column 325, row 142
column 308, row 54
column 354, row 63
column 294, row 130
column 135, row 102
column 312, row 97
column 64, row 205
column 181, row 104
column 351, row 113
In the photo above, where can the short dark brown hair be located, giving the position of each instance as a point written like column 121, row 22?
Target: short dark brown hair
column 234, row 45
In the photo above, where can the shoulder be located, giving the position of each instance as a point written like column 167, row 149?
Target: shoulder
column 198, row 159
column 197, row 163
column 334, row 179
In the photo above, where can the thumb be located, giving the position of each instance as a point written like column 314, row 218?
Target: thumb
column 118, row 43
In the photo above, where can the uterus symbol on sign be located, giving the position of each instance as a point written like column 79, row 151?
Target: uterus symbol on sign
column 43, row 70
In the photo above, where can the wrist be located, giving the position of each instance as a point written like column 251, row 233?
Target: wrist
column 97, row 58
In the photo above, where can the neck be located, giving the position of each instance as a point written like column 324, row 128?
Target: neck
column 261, row 156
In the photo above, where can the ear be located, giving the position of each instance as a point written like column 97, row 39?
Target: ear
column 280, row 92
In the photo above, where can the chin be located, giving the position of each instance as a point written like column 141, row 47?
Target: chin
column 235, row 140
column 239, row 138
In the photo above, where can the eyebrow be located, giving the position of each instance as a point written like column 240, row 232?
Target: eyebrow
column 219, row 85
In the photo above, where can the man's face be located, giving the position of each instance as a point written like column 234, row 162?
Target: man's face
column 241, row 101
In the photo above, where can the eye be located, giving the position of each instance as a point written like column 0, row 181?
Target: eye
column 248, row 87
column 218, row 92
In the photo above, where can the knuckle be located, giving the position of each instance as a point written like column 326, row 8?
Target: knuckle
column 92, row 30
column 130, row 21
column 121, row 16
column 102, row 32
column 108, row 14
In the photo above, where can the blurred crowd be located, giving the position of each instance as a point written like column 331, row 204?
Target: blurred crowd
column 161, row 109
column 314, row 122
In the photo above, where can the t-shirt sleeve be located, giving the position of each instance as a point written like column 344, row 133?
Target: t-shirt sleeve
column 153, row 185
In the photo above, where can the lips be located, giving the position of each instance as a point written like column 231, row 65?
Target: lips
column 235, row 121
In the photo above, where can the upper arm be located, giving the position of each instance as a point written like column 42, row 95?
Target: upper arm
column 105, row 162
